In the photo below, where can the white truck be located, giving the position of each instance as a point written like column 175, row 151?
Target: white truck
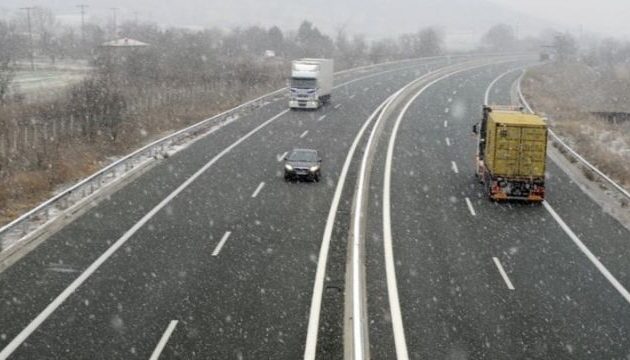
column 311, row 83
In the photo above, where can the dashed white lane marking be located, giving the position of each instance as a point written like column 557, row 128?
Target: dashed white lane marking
column 450, row 100
column 337, row 106
column 262, row 184
column 282, row 156
column 454, row 92
column 445, row 123
column 321, row 118
column 217, row 250
column 304, row 134
column 470, row 207
column 454, row 166
column 68, row 291
column 352, row 96
column 446, row 110
column 160, row 346
column 366, row 89
column 448, row 142
column 602, row 269
column 503, row 273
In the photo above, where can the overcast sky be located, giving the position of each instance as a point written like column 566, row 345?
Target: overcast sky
column 608, row 17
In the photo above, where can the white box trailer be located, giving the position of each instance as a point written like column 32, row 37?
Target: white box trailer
column 311, row 83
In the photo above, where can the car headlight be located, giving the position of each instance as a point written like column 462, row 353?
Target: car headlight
column 314, row 168
column 288, row 167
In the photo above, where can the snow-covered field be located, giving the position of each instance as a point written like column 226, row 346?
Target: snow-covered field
column 47, row 78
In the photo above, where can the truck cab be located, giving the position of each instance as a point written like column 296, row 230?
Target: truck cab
column 310, row 84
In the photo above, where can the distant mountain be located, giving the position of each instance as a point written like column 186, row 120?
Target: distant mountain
column 459, row 19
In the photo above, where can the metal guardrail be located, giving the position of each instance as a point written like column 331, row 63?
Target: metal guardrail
column 41, row 214
column 557, row 139
column 92, row 183
column 88, row 186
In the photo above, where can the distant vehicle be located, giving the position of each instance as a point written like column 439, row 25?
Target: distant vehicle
column 311, row 83
column 302, row 164
column 512, row 153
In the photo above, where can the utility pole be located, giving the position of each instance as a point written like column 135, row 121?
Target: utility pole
column 82, row 7
column 114, row 20
column 30, row 35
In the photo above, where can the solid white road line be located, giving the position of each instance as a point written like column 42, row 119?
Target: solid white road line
column 470, row 207
column 445, row 123
column 35, row 323
column 160, row 346
column 358, row 332
column 390, row 265
column 448, row 142
column 262, row 184
column 454, row 166
column 320, row 276
column 503, row 273
column 225, row 237
column 282, row 156
column 321, row 118
column 337, row 106
column 303, row 134
column 486, row 97
column 602, row 269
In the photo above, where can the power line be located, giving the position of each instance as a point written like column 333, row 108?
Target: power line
column 114, row 27
column 30, row 34
column 82, row 7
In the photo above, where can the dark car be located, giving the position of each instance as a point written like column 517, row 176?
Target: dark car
column 302, row 164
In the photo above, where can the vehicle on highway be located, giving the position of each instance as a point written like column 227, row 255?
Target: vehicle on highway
column 302, row 164
column 511, row 153
column 311, row 83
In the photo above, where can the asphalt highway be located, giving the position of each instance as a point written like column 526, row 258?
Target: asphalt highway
column 210, row 254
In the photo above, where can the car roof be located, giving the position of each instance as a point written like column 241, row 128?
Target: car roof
column 304, row 150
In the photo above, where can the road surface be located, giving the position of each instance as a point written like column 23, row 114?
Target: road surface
column 212, row 255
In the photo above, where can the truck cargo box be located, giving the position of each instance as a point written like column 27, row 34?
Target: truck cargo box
column 516, row 145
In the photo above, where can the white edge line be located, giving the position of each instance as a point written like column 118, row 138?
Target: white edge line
column 163, row 340
column 602, row 269
column 394, row 303
column 503, row 273
column 260, row 186
column 357, row 303
column 39, row 319
column 225, row 237
column 486, row 97
column 470, row 207
column 318, row 288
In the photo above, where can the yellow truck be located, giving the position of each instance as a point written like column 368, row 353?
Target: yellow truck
column 511, row 154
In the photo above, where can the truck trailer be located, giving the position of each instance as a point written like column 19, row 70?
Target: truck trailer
column 311, row 83
column 511, row 154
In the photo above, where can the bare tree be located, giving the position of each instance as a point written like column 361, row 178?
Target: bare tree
column 499, row 38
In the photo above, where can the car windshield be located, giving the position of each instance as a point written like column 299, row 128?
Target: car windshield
column 305, row 156
column 303, row 83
